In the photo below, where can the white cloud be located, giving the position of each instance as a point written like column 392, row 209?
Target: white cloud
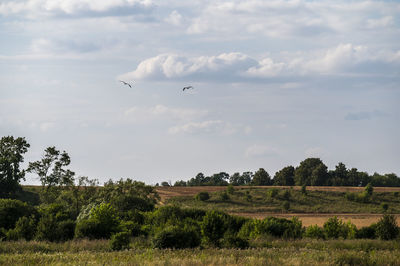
column 38, row 8
column 174, row 18
column 174, row 66
column 380, row 23
column 210, row 126
column 260, row 151
column 344, row 58
column 145, row 113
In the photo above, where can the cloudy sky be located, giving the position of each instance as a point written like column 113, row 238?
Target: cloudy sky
column 274, row 82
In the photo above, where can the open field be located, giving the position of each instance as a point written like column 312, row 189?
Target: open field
column 277, row 252
column 169, row 192
column 316, row 207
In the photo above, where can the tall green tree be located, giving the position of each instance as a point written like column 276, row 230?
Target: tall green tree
column 52, row 172
column 261, row 178
column 304, row 174
column 11, row 156
column 284, row 177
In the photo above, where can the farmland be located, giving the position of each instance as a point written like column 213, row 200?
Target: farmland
column 319, row 204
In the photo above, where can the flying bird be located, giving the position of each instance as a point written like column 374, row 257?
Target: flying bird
column 188, row 87
column 126, row 83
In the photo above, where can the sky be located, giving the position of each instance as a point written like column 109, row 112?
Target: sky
column 275, row 82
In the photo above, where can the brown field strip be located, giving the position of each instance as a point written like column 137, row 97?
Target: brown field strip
column 358, row 219
column 169, row 192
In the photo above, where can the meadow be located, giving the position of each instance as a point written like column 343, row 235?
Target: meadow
column 275, row 252
column 314, row 207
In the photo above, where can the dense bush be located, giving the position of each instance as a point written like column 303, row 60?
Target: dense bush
column 120, row 241
column 213, row 227
column 176, row 237
column 367, row 232
column 234, row 241
column 26, row 227
column 387, row 228
column 333, row 227
column 102, row 223
column 314, row 231
column 11, row 210
column 203, row 196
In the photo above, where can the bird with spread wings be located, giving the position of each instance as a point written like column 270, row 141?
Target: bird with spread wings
column 188, row 87
column 126, row 83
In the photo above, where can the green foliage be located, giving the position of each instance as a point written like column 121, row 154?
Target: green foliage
column 369, row 189
column 49, row 228
column 387, row 227
column 26, row 227
column 230, row 189
column 224, row 196
column 238, row 179
column 11, row 155
column 304, row 189
column 120, row 241
column 367, row 232
column 12, row 210
column 234, row 241
column 128, row 196
column 286, row 205
column 52, row 173
column 202, row 196
column 311, row 171
column 213, row 227
column 314, row 231
column 286, row 195
column 284, row 177
column 261, row 178
column 335, row 228
column 177, row 238
column 272, row 193
column 384, row 206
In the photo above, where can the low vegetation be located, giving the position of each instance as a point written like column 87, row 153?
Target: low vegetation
column 85, row 222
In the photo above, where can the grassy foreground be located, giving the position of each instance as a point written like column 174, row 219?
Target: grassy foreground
column 277, row 252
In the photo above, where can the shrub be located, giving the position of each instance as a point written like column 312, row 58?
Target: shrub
column 134, row 229
column 213, row 227
column 250, row 229
column 102, row 223
column 369, row 189
column 11, row 210
column 333, row 227
column 224, row 196
column 26, row 227
column 176, row 237
column 12, row 235
column 294, row 229
column 234, row 241
column 304, row 189
column 230, row 189
column 385, row 206
column 120, row 241
column 286, row 194
column 286, row 205
column 367, row 232
column 88, row 228
column 50, row 229
column 387, row 228
column 314, row 231
column 202, row 196
column 273, row 192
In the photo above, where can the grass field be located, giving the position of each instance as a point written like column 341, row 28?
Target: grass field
column 277, row 252
column 318, row 205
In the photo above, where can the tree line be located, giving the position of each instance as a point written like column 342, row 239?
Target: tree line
column 310, row 172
